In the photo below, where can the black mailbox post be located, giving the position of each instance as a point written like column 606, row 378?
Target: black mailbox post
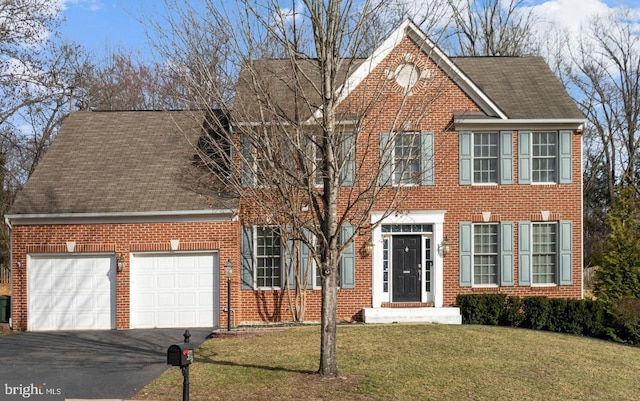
column 181, row 355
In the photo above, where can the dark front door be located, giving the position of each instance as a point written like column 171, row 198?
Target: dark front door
column 406, row 268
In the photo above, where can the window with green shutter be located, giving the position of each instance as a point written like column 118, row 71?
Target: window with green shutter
column 486, row 254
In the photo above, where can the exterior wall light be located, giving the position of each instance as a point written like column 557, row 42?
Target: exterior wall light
column 445, row 248
column 368, row 247
column 120, row 262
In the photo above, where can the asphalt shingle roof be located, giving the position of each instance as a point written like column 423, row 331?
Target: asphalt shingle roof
column 522, row 87
column 118, row 162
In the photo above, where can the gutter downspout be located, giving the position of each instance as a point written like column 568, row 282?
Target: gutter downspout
column 7, row 222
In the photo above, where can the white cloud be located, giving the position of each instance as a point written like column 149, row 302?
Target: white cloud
column 92, row 5
column 571, row 15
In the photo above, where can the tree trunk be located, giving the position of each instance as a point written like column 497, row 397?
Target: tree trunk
column 328, row 363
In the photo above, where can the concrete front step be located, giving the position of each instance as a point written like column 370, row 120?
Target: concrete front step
column 448, row 315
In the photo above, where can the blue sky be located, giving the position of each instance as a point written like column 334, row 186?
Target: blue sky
column 103, row 26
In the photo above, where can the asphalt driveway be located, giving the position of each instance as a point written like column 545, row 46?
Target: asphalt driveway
column 112, row 364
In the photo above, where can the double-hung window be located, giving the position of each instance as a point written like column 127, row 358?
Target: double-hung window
column 486, row 254
column 544, row 157
column 268, row 258
column 485, row 157
column 406, row 158
column 544, row 253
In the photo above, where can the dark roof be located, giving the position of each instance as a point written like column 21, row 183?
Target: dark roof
column 280, row 84
column 118, row 162
column 522, row 87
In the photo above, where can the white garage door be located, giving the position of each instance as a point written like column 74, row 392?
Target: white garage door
column 174, row 290
column 71, row 292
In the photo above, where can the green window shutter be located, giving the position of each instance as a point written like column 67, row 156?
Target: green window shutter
column 506, row 157
column 466, row 255
column 347, row 173
column 564, row 158
column 305, row 260
column 246, row 251
column 565, row 253
column 247, row 169
column 524, row 253
column 466, row 152
column 386, row 159
column 524, row 157
column 289, row 266
column 506, row 254
column 426, row 158
column 347, row 263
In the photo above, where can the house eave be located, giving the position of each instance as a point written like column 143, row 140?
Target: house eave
column 180, row 216
column 480, row 124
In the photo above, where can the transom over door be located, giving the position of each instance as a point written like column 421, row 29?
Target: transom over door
column 406, row 268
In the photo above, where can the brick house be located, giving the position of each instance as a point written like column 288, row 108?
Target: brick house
column 116, row 230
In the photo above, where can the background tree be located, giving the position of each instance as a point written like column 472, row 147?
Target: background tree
column 604, row 76
column 619, row 273
column 492, row 28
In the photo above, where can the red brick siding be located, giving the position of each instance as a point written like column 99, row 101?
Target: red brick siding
column 115, row 238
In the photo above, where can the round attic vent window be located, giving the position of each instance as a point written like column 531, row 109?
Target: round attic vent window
column 407, row 75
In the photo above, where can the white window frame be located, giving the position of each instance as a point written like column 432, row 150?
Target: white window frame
column 496, row 255
column 415, row 144
column 496, row 157
column 535, row 158
column 257, row 257
column 554, row 255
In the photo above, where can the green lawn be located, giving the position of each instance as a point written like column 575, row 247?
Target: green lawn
column 409, row 362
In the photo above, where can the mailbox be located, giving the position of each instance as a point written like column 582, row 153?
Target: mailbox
column 180, row 355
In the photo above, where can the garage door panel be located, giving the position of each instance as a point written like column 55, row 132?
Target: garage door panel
column 71, row 292
column 173, row 290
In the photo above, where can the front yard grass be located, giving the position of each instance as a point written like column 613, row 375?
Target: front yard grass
column 408, row 362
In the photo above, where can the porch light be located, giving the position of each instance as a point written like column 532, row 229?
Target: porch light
column 368, row 247
column 120, row 262
column 445, row 248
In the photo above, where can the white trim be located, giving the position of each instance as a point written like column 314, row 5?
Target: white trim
column 123, row 217
column 478, row 124
column 434, row 217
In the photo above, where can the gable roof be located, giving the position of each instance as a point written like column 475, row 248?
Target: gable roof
column 125, row 163
column 504, row 88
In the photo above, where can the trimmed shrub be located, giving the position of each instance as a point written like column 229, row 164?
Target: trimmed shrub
column 513, row 314
column 484, row 309
column 537, row 311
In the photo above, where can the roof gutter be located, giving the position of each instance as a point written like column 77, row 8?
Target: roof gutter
column 122, row 217
column 477, row 124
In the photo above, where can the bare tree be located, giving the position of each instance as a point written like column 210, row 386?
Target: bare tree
column 604, row 74
column 300, row 152
column 493, row 27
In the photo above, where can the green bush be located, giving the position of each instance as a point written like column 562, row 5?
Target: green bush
column 615, row 321
column 486, row 309
column 537, row 311
column 514, row 314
